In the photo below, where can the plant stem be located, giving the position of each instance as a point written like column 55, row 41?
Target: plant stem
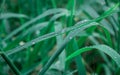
column 9, row 62
column 52, row 59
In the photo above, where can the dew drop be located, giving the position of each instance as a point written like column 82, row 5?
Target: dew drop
column 33, row 43
column 84, row 21
column 21, row 43
column 37, row 32
column 70, row 38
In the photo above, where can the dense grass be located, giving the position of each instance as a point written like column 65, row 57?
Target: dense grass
column 66, row 37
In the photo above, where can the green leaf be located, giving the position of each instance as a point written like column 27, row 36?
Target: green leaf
column 12, row 15
column 47, row 13
column 106, row 49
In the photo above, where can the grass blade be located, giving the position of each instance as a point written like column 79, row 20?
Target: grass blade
column 12, row 15
column 77, row 26
column 106, row 49
column 49, row 12
column 9, row 62
column 70, row 36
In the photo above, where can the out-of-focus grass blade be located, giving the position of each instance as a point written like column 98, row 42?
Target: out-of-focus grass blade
column 55, row 17
column 109, row 39
column 9, row 62
column 36, row 27
column 20, row 37
column 50, row 35
column 29, row 69
column 106, row 49
column 43, row 45
column 6, row 25
column 92, row 13
column 54, row 3
column 94, row 41
column 61, row 65
column 109, row 11
column 106, row 69
column 97, row 35
column 49, row 12
column 60, row 49
column 71, row 7
column 71, row 47
column 79, row 25
column 12, row 15
column 117, row 71
column 50, row 25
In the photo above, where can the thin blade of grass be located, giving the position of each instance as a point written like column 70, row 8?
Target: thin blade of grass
column 62, row 56
column 50, row 35
column 104, row 48
column 60, row 49
column 9, row 62
column 49, row 12
column 12, row 15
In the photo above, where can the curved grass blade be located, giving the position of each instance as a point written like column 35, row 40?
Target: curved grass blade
column 108, row 12
column 49, row 12
column 55, row 17
column 106, row 69
column 92, row 13
column 104, row 48
column 94, row 41
column 12, row 15
column 71, row 47
column 36, row 27
column 70, row 36
column 53, row 34
column 109, row 39
column 50, row 35
column 29, row 30
column 62, row 56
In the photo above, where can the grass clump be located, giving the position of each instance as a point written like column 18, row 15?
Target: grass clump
column 74, row 37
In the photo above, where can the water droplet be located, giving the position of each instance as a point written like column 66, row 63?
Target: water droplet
column 37, row 32
column 21, row 43
column 84, row 21
column 70, row 38
column 33, row 43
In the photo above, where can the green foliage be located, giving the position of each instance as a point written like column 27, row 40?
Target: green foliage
column 41, row 37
